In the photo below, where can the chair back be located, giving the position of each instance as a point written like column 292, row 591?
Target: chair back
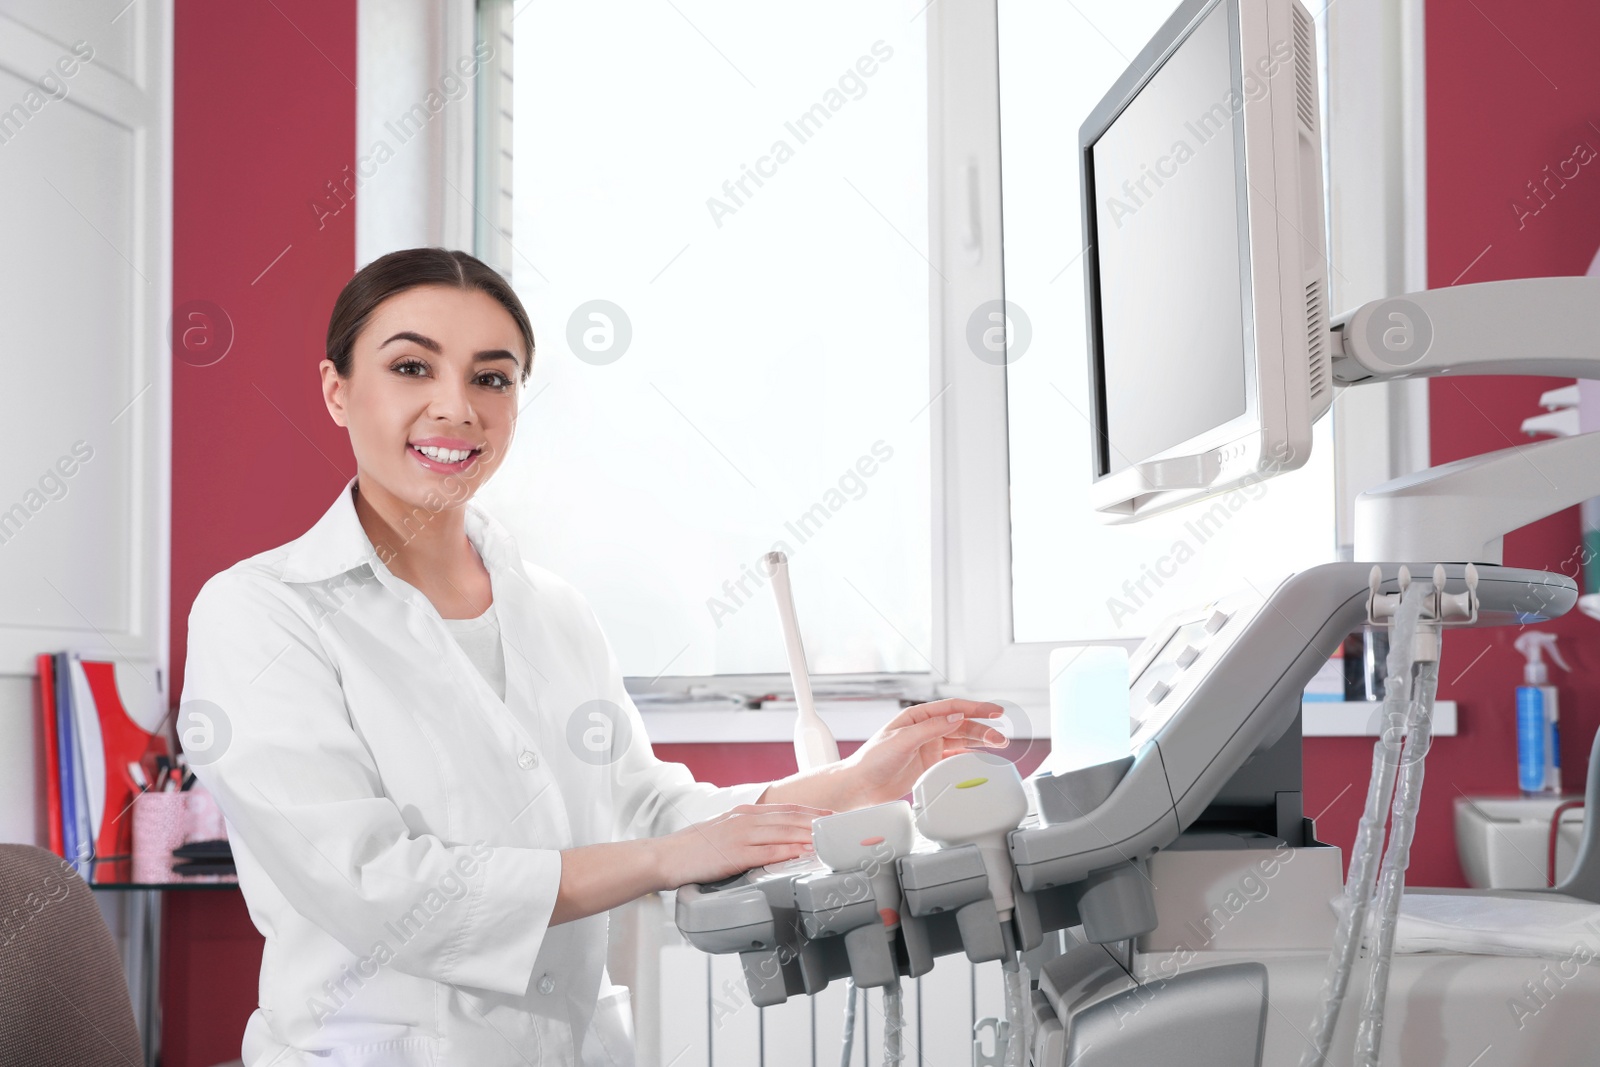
column 63, row 997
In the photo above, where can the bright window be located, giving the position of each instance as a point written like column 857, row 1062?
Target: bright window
column 1073, row 578
column 719, row 227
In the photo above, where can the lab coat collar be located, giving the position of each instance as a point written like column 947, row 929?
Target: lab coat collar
column 338, row 543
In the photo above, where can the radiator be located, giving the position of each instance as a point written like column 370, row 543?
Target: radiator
column 693, row 1010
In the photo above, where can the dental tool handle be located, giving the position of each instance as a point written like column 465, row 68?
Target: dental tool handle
column 886, row 893
column 997, row 860
column 814, row 745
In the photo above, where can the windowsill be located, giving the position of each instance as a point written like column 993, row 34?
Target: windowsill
column 718, row 723
column 856, row 720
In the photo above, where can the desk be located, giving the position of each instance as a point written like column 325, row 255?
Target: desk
column 142, row 960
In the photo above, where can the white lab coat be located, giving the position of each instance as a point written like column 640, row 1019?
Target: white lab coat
column 397, row 826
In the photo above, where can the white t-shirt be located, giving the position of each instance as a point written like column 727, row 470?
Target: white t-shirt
column 479, row 638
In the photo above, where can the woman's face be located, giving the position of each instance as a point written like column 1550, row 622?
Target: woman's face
column 435, row 368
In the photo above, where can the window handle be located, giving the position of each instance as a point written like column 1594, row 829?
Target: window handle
column 972, row 235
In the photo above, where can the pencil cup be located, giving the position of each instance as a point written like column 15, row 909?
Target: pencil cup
column 160, row 824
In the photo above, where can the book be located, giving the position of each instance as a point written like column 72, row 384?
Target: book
column 45, row 664
column 67, row 757
column 88, row 741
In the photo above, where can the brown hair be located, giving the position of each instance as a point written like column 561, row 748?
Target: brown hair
column 398, row 271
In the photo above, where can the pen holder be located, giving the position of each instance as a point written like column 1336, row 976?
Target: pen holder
column 160, row 824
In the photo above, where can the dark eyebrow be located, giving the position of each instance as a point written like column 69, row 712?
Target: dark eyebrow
column 433, row 346
column 415, row 338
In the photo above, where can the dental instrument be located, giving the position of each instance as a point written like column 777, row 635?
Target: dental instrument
column 977, row 798
column 814, row 745
column 865, row 844
column 868, row 841
column 974, row 798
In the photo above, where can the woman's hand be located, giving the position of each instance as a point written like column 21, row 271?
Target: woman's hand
column 891, row 761
column 750, row 835
column 889, row 764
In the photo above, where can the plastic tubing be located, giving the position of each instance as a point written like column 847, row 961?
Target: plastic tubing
column 1365, row 854
column 1017, row 1042
column 894, row 1021
column 1391, row 880
column 848, row 1048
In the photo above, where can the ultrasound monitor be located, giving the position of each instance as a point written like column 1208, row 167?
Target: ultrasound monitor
column 1206, row 280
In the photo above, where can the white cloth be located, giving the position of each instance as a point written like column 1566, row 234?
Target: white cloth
column 479, row 638
column 1491, row 923
column 397, row 827
column 1497, row 924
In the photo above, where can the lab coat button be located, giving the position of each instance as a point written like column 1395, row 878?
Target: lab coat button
column 528, row 759
column 547, row 985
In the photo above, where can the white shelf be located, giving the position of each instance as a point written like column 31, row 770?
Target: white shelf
column 1332, row 718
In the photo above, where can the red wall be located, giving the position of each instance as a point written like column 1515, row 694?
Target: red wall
column 733, row 764
column 1510, row 90
column 264, row 117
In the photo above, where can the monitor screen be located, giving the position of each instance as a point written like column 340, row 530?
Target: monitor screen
column 1171, row 277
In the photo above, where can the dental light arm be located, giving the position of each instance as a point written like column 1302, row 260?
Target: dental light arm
column 1460, row 512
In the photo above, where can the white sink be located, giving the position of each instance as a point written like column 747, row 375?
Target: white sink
column 1504, row 842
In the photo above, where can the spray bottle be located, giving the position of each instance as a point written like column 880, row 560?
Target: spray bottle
column 1538, row 716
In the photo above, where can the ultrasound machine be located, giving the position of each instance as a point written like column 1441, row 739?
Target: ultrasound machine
column 1173, row 905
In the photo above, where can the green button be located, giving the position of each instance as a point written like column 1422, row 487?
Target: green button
column 970, row 782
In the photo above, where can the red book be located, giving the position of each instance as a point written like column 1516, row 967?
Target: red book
column 52, row 764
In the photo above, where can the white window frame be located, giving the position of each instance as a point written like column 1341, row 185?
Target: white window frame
column 1374, row 118
column 446, row 30
column 389, row 214
column 1377, row 238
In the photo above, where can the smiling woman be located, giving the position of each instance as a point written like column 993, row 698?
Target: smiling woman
column 435, row 782
column 426, row 348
